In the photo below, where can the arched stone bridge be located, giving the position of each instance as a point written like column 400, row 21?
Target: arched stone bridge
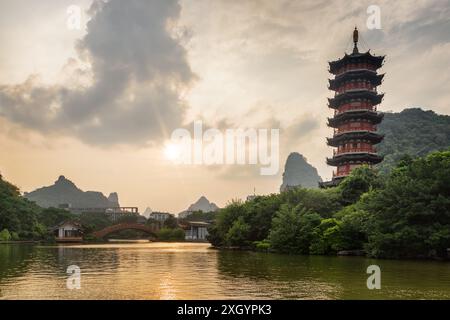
column 151, row 230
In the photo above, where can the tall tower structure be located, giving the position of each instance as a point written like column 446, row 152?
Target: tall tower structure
column 354, row 82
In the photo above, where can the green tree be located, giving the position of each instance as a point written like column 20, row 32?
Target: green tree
column 51, row 217
column 325, row 202
column 171, row 222
column 327, row 237
column 201, row 216
column 5, row 235
column 237, row 235
column 353, row 227
column 17, row 214
column 225, row 219
column 94, row 221
column 292, row 229
column 360, row 180
column 410, row 217
column 167, row 234
column 258, row 214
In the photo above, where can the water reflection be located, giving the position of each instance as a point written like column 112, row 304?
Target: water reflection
column 194, row 271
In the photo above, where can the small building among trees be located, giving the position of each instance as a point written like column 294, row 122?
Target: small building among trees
column 68, row 231
column 196, row 230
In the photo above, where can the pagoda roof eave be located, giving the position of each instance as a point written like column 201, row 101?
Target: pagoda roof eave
column 376, row 79
column 332, row 183
column 378, row 60
column 374, row 137
column 373, row 96
column 366, row 54
column 373, row 158
column 374, row 116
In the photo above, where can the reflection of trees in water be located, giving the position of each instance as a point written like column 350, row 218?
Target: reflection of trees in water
column 89, row 259
column 306, row 276
column 335, row 277
column 14, row 259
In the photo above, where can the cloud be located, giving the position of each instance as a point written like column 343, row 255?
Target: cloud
column 137, row 73
column 292, row 135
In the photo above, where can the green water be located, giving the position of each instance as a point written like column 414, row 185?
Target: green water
column 194, row 271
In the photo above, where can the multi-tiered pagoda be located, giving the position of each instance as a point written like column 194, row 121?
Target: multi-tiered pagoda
column 356, row 117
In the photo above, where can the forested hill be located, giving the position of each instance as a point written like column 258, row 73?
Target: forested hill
column 21, row 219
column 413, row 131
column 17, row 214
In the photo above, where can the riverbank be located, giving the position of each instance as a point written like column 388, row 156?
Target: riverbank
column 400, row 215
column 102, row 241
column 344, row 253
column 22, row 242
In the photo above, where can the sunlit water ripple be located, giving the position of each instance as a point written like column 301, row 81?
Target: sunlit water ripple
column 195, row 271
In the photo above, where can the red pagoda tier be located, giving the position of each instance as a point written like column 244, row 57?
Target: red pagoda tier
column 355, row 117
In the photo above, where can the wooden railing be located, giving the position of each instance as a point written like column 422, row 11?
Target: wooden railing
column 350, row 129
column 345, row 108
column 371, row 89
column 355, row 66
column 354, row 150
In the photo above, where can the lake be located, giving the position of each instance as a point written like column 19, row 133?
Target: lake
column 195, row 271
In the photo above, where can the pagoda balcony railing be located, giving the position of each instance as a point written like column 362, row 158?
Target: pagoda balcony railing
column 355, row 85
column 354, row 150
column 344, row 109
column 338, row 93
column 364, row 128
column 356, row 67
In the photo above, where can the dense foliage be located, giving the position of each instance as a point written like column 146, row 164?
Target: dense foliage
column 174, row 234
column 414, row 132
column 200, row 216
column 403, row 214
column 19, row 218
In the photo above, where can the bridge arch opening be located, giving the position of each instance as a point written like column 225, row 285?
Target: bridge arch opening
column 110, row 230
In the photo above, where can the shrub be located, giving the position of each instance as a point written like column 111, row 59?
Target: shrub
column 5, row 235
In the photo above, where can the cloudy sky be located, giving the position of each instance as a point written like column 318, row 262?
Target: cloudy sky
column 98, row 104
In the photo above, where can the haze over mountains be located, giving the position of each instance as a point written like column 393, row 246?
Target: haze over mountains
column 413, row 131
column 64, row 191
column 202, row 204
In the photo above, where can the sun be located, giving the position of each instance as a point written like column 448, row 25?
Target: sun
column 172, row 151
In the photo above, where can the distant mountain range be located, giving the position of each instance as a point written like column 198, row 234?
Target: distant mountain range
column 65, row 192
column 298, row 172
column 202, row 204
column 412, row 131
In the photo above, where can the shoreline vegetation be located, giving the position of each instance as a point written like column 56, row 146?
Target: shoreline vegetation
column 403, row 214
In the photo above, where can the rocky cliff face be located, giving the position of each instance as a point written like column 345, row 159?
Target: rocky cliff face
column 148, row 211
column 113, row 198
column 64, row 191
column 298, row 172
